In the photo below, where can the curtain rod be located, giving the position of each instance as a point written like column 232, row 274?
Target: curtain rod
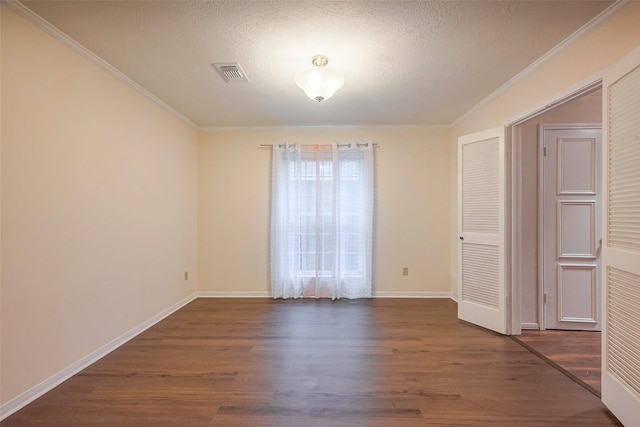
column 339, row 145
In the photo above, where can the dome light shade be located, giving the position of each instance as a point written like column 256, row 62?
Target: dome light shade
column 320, row 83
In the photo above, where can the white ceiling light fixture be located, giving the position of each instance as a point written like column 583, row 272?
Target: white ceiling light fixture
column 320, row 83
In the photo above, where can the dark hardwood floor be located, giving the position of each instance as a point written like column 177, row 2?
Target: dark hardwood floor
column 577, row 353
column 260, row 362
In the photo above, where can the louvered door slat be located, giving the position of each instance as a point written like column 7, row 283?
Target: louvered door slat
column 621, row 250
column 481, row 280
column 623, row 327
column 623, row 160
column 480, row 274
column 480, row 187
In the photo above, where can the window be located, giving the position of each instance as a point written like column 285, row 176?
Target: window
column 322, row 221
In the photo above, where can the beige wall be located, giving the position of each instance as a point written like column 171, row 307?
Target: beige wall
column 107, row 199
column 587, row 57
column 99, row 215
column 412, row 200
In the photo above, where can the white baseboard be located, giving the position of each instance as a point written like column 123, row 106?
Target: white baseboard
column 385, row 294
column 535, row 326
column 35, row 392
column 251, row 294
column 380, row 294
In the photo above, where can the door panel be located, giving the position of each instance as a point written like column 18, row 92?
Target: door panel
column 577, row 166
column 621, row 246
column 571, row 226
column 481, row 266
column 577, row 293
column 573, row 219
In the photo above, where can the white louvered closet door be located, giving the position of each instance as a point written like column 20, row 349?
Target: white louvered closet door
column 481, row 215
column 621, row 246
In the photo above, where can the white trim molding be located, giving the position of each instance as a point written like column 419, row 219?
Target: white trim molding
column 530, row 326
column 53, row 31
column 583, row 87
column 219, row 294
column 379, row 294
column 453, row 285
column 322, row 127
column 582, row 32
column 385, row 294
column 35, row 392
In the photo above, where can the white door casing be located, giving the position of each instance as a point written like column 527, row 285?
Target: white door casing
column 571, row 225
column 481, row 229
column 621, row 240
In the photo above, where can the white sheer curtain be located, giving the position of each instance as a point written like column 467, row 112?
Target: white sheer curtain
column 322, row 220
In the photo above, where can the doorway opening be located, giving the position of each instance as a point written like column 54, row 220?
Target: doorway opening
column 569, row 223
column 532, row 316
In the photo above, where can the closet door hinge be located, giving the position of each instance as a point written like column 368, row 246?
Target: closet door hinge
column 544, row 151
column 544, row 297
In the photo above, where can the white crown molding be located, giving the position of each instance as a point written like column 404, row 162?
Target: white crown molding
column 319, row 127
column 18, row 7
column 53, row 31
column 43, row 24
column 582, row 32
column 35, row 392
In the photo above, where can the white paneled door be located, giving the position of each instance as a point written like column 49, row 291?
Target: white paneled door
column 481, row 229
column 621, row 245
column 571, row 198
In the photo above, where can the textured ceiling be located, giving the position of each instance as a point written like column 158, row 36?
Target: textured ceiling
column 405, row 62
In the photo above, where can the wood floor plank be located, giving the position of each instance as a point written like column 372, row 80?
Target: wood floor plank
column 575, row 352
column 262, row 362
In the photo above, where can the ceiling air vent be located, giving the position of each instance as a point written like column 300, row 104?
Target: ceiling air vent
column 232, row 73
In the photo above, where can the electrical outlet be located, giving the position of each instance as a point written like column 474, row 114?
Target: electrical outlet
column 405, row 271
column 186, row 275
